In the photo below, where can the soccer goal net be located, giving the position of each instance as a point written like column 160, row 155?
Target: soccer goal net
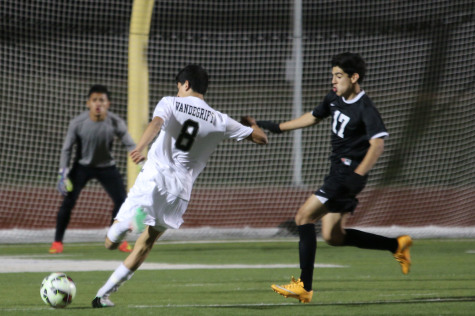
column 268, row 59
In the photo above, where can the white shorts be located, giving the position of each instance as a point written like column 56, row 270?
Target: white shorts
column 163, row 209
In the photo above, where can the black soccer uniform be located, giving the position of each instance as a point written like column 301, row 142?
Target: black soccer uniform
column 354, row 123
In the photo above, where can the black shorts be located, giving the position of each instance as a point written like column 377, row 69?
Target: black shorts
column 333, row 188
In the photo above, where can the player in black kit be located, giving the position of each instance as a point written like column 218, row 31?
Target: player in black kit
column 357, row 139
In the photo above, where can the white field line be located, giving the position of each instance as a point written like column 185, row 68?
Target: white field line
column 297, row 304
column 15, row 236
column 16, row 264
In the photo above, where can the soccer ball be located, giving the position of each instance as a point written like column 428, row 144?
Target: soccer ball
column 58, row 290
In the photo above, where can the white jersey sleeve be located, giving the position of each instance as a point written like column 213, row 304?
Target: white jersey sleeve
column 236, row 130
column 164, row 110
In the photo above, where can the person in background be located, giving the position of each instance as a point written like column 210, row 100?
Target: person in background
column 93, row 132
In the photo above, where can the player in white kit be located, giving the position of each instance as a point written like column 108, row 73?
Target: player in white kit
column 189, row 131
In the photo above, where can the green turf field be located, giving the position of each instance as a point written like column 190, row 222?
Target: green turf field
column 442, row 280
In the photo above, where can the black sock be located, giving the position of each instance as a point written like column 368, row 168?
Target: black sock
column 365, row 240
column 307, row 250
column 62, row 221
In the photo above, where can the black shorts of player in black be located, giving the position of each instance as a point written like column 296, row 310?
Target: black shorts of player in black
column 335, row 189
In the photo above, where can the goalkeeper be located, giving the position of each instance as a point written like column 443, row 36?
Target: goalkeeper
column 93, row 133
column 357, row 139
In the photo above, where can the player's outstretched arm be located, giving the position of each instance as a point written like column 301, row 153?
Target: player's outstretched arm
column 303, row 121
column 257, row 136
column 148, row 136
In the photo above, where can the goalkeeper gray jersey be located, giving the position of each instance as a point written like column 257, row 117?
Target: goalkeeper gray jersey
column 94, row 140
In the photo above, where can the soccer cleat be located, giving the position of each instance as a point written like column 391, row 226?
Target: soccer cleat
column 125, row 247
column 56, row 247
column 137, row 224
column 100, row 302
column 295, row 289
column 402, row 254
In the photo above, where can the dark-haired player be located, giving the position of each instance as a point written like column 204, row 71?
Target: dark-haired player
column 357, row 139
column 93, row 133
column 189, row 131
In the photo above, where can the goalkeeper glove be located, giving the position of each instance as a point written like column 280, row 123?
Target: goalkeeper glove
column 64, row 184
column 355, row 183
column 270, row 126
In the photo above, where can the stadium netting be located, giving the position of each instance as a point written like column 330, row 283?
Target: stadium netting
column 421, row 77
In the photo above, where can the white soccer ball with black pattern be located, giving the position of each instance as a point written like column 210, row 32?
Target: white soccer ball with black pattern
column 58, row 290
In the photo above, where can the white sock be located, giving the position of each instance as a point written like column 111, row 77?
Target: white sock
column 117, row 231
column 119, row 276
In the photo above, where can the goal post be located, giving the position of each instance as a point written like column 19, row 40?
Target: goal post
column 138, row 83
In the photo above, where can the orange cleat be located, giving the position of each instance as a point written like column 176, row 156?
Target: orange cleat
column 125, row 247
column 56, row 247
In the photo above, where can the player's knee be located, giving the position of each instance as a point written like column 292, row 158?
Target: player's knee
column 298, row 219
column 301, row 219
column 333, row 239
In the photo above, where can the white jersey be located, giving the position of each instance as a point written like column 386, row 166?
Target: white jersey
column 190, row 134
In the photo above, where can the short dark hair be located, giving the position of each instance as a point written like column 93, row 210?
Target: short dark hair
column 98, row 88
column 197, row 78
column 350, row 63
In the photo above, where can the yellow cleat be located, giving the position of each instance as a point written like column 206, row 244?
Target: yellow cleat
column 295, row 289
column 402, row 254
